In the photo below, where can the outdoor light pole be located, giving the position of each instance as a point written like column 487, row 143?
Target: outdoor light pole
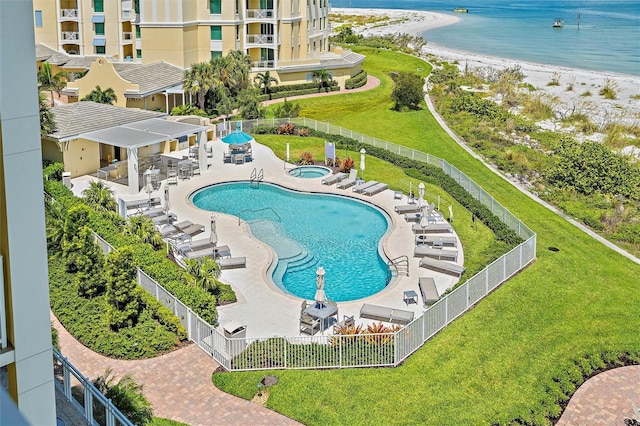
column 362, row 153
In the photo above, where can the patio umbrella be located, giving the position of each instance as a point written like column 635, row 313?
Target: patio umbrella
column 320, row 297
column 166, row 199
column 213, row 237
column 421, row 194
column 237, row 137
column 362, row 153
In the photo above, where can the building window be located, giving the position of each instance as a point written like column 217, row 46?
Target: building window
column 99, row 28
column 100, row 50
column 216, row 32
column 139, row 53
column 38, row 19
column 136, row 6
column 216, row 54
column 215, row 7
column 98, row 6
column 237, row 32
column 137, row 31
column 314, row 24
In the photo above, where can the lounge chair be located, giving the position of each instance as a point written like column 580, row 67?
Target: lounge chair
column 382, row 313
column 361, row 187
column 188, row 232
column 168, row 231
column 194, row 245
column 308, row 324
column 213, row 252
column 379, row 187
column 442, row 266
column 139, row 205
column 333, row 178
column 232, row 262
column 164, row 218
column 350, row 181
column 153, row 212
column 408, row 208
column 432, row 228
column 436, row 253
column 436, row 240
column 428, row 290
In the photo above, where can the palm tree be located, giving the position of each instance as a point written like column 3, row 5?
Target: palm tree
column 55, row 216
column 322, row 78
column 99, row 195
column 144, row 228
column 126, row 395
column 240, row 65
column 263, row 80
column 106, row 96
column 198, row 80
column 47, row 80
column 203, row 273
column 47, row 123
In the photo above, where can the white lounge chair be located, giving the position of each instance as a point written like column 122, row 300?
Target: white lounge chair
column 232, row 262
column 428, row 290
column 442, row 266
column 382, row 313
column 379, row 187
column 330, row 180
column 436, row 253
column 432, row 228
column 408, row 208
column 361, row 187
column 350, row 181
column 436, row 240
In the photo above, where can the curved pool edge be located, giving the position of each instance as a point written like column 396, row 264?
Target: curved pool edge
column 268, row 269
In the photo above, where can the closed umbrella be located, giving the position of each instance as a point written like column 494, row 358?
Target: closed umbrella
column 167, row 206
column 362, row 153
column 213, row 237
column 320, row 297
column 148, row 185
column 421, row 195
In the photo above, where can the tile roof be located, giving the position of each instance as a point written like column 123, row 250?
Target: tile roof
column 81, row 117
column 152, row 78
column 45, row 53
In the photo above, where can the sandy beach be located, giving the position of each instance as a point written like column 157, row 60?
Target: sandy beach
column 602, row 111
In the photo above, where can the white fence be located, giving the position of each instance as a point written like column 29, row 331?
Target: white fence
column 364, row 350
column 84, row 396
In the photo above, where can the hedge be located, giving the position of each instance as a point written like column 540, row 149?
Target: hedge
column 288, row 94
column 427, row 173
column 301, row 86
column 356, row 81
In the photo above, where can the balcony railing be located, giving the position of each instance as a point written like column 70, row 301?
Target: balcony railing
column 127, row 36
column 263, row 64
column 70, row 36
column 261, row 38
column 69, row 13
column 260, row 13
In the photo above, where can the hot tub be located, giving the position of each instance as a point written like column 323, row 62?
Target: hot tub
column 308, row 172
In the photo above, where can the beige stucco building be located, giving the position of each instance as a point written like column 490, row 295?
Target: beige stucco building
column 288, row 37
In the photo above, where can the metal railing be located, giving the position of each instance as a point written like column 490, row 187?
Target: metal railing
column 70, row 35
column 84, row 396
column 260, row 39
column 261, row 13
column 69, row 13
column 361, row 350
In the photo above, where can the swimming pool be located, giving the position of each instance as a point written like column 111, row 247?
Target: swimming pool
column 307, row 230
column 309, row 172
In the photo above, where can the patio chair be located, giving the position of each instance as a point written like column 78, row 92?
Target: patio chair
column 375, row 189
column 428, row 290
column 361, row 187
column 350, row 181
column 347, row 321
column 308, row 324
column 209, row 150
column 172, row 176
column 226, row 158
column 232, row 262
column 333, row 178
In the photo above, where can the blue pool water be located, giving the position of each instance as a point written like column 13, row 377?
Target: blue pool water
column 309, row 172
column 307, row 231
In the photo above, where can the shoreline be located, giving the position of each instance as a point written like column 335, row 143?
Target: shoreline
column 577, row 88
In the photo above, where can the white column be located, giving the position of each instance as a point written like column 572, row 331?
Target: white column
column 22, row 229
column 132, row 163
column 202, row 152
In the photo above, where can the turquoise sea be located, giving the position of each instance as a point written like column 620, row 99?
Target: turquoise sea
column 607, row 39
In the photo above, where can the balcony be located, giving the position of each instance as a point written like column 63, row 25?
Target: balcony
column 70, row 36
column 261, row 13
column 261, row 39
column 127, row 37
column 263, row 64
column 68, row 14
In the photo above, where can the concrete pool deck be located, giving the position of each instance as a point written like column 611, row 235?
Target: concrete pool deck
column 261, row 306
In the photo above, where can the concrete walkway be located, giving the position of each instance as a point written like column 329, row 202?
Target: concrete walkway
column 177, row 384
column 604, row 399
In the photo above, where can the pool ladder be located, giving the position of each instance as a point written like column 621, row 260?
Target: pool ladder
column 256, row 176
column 399, row 265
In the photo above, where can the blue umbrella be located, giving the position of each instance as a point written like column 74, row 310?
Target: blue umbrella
column 237, row 137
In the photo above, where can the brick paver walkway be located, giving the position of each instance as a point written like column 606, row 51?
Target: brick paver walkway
column 604, row 399
column 177, row 384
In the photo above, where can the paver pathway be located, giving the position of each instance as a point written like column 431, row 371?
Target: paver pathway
column 177, row 384
column 604, row 399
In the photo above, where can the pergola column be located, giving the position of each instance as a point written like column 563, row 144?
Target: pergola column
column 132, row 163
column 202, row 152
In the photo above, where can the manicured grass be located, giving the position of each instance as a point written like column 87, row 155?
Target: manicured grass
column 511, row 357
column 159, row 421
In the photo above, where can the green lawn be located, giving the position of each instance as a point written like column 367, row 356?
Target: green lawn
column 512, row 356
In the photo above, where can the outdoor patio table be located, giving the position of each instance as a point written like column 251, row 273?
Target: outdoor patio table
column 323, row 312
column 410, row 296
column 106, row 170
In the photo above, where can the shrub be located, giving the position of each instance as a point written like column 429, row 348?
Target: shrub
column 188, row 109
column 286, row 129
column 286, row 110
column 123, row 293
column 306, row 158
column 356, row 81
column 609, row 89
column 53, row 171
column 126, row 395
column 347, row 164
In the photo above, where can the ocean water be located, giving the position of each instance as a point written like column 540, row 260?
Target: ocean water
column 608, row 38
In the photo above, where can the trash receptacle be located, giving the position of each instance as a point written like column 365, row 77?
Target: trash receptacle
column 235, row 334
column 66, row 179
